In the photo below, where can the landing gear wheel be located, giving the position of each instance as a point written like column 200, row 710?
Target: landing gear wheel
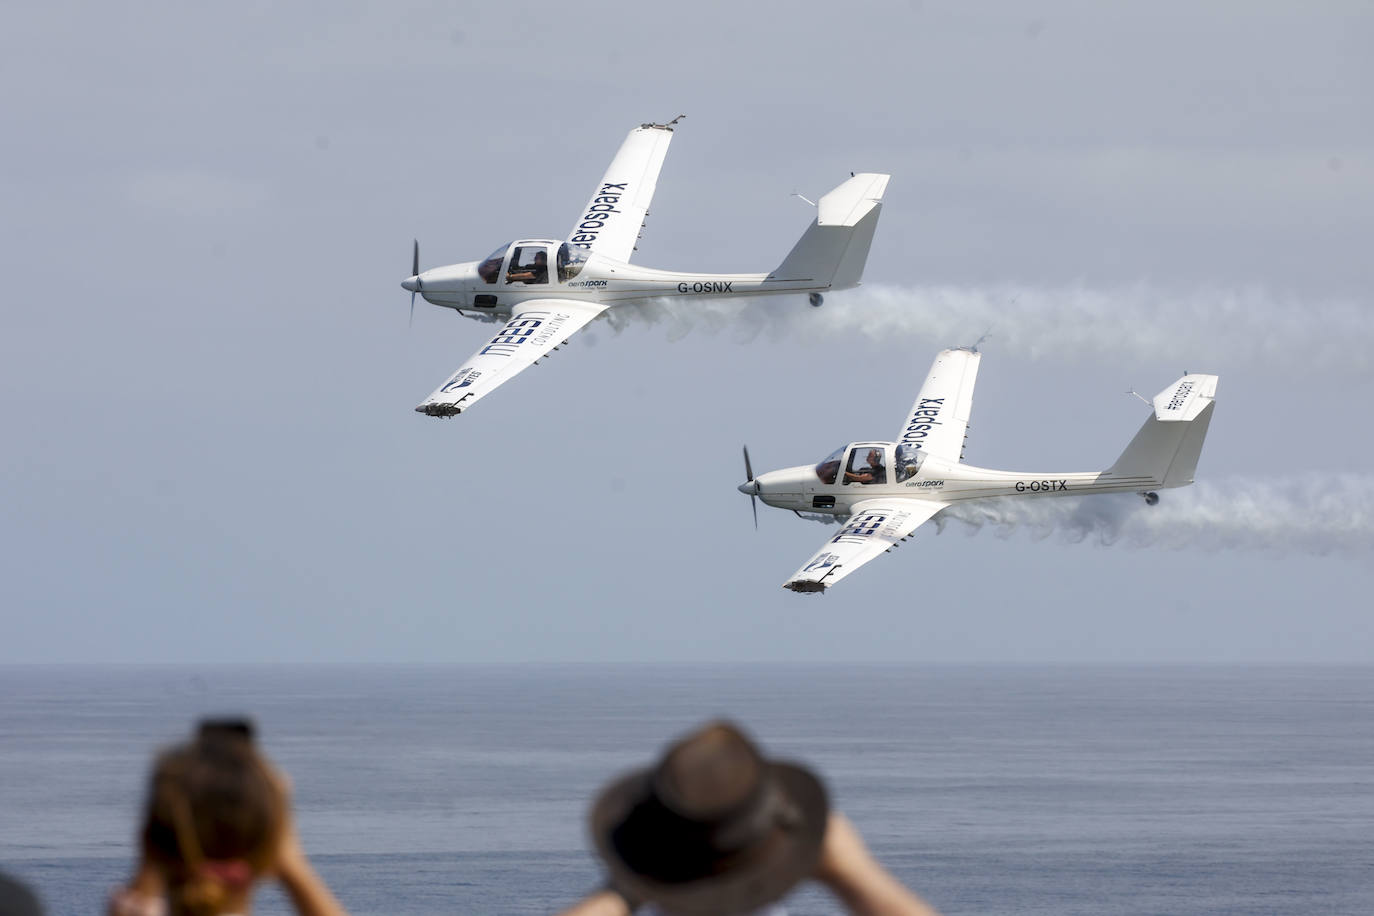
column 815, row 299
column 1151, row 498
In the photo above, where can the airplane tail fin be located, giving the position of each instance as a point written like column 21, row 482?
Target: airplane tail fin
column 1164, row 453
column 832, row 252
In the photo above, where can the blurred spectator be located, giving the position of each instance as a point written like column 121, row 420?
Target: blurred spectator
column 218, row 821
column 16, row 899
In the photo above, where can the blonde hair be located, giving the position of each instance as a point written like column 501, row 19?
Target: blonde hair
column 214, row 817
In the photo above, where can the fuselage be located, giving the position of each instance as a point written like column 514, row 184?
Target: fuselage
column 546, row 269
column 837, row 483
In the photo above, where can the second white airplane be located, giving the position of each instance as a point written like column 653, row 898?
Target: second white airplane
column 545, row 290
column 885, row 490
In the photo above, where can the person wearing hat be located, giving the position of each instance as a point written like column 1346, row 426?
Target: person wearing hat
column 715, row 829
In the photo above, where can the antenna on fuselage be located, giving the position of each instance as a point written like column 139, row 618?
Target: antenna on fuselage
column 1141, row 396
column 803, row 197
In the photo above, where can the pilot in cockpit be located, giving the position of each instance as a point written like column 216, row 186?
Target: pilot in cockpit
column 873, row 473
column 538, row 272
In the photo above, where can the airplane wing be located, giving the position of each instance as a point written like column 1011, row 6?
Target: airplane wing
column 875, row 527
column 938, row 420
column 611, row 221
column 536, row 326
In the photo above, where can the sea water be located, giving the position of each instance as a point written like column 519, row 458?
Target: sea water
column 1064, row 790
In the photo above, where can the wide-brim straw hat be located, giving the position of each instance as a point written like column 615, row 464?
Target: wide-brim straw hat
column 713, row 828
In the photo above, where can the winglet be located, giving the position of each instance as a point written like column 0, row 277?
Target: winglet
column 669, row 126
column 805, row 586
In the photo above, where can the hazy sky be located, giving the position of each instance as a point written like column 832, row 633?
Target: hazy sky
column 208, row 380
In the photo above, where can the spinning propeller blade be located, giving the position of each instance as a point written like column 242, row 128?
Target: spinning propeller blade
column 414, row 272
column 753, row 495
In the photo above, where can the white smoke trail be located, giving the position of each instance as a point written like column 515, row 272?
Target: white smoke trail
column 1310, row 514
column 1250, row 326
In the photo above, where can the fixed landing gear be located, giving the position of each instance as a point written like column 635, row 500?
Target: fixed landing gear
column 1151, row 497
column 815, row 299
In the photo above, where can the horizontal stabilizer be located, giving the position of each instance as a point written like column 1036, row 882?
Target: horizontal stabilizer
column 1185, row 398
column 852, row 201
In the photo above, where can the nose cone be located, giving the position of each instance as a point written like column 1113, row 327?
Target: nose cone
column 411, row 284
column 749, row 488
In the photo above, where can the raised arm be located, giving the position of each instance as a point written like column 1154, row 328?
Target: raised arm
column 851, row 873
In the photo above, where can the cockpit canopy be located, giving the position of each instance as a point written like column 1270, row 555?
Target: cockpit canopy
column 867, row 463
column 527, row 263
column 830, row 465
column 909, row 460
column 490, row 268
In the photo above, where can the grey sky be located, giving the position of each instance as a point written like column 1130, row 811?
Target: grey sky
column 208, row 379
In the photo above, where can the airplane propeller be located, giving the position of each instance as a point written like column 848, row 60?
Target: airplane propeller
column 414, row 272
column 753, row 493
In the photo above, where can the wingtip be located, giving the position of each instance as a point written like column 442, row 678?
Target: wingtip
column 804, row 586
column 439, row 410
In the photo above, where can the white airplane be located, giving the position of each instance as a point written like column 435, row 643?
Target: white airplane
column 545, row 289
column 882, row 507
